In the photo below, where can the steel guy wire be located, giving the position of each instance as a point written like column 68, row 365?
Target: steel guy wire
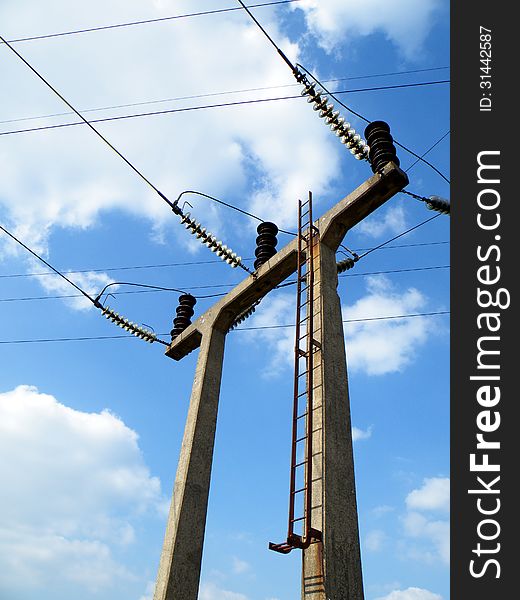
column 127, row 337
column 211, row 106
column 225, row 93
column 144, row 22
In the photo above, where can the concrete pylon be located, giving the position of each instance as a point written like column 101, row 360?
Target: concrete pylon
column 331, row 568
column 179, row 569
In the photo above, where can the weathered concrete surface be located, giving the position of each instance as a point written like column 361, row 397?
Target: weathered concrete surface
column 333, row 226
column 331, row 568
column 179, row 568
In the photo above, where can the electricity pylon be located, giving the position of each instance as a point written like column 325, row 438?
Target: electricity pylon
column 331, row 567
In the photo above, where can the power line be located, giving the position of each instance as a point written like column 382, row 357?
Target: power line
column 86, row 122
column 302, row 78
column 192, row 263
column 212, row 94
column 333, row 95
column 47, row 264
column 428, row 151
column 212, row 106
column 398, row 236
column 144, row 22
column 127, row 337
column 214, row 286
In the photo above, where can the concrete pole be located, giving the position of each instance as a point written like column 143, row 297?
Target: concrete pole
column 331, row 568
column 179, row 569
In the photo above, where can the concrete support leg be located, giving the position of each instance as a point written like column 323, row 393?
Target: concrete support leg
column 179, row 569
column 332, row 568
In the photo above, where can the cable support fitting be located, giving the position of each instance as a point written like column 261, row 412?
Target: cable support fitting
column 209, row 240
column 133, row 328
column 433, row 202
column 342, row 128
column 348, row 263
column 243, row 316
column 439, row 204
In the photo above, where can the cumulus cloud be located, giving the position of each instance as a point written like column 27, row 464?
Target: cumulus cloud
column 385, row 346
column 411, row 593
column 72, row 485
column 436, row 532
column 240, row 566
column 374, row 540
column 361, row 434
column 433, row 495
column 406, row 23
column 430, row 530
column 69, row 178
column 392, row 221
column 373, row 347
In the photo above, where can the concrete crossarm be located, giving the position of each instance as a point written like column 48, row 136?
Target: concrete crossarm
column 333, row 226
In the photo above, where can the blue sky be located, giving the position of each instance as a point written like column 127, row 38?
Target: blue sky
column 90, row 430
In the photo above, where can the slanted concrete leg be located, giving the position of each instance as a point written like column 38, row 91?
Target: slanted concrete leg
column 332, row 568
column 179, row 569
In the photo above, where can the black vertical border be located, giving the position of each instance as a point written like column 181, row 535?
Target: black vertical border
column 474, row 131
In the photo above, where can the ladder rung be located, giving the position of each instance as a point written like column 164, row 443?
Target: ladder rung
column 300, row 490
column 300, row 464
column 298, row 519
column 300, row 439
column 303, row 414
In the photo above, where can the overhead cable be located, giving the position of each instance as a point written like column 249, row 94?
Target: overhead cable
column 114, row 337
column 357, row 146
column 119, row 320
column 212, row 106
column 225, row 93
column 144, row 22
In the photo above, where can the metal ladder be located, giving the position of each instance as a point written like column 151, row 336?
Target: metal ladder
column 302, row 430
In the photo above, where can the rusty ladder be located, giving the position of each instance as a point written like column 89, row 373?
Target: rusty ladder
column 304, row 349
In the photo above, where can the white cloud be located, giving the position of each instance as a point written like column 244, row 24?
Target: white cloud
column 210, row 591
column 433, row 495
column 384, row 346
column 374, row 540
column 411, row 593
column 382, row 510
column 373, row 347
column 406, row 23
column 274, row 310
column 392, row 221
column 150, row 588
column 431, row 533
column 72, row 484
column 360, row 434
column 435, row 532
column 240, row 566
column 69, row 178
